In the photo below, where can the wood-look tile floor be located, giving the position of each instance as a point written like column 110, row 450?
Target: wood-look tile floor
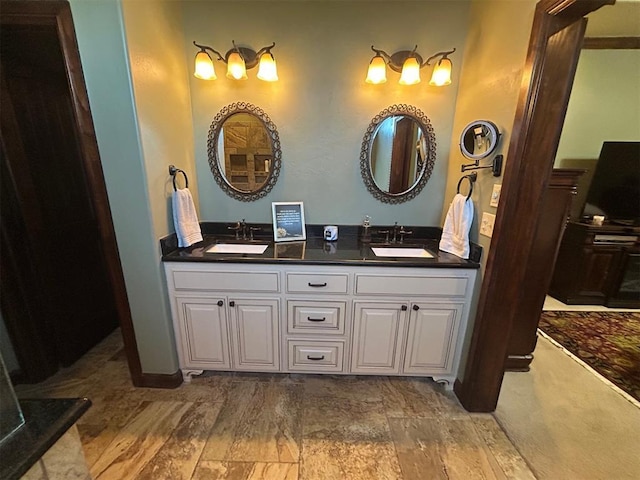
column 277, row 427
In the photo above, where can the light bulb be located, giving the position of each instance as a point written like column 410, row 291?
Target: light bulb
column 441, row 73
column 267, row 70
column 410, row 72
column 235, row 67
column 377, row 71
column 204, row 66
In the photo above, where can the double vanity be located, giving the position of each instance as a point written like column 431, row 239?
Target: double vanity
column 319, row 307
column 396, row 307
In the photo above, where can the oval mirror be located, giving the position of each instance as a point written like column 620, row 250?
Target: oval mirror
column 398, row 154
column 479, row 139
column 244, row 151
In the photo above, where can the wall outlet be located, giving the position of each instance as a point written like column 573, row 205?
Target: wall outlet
column 495, row 195
column 486, row 227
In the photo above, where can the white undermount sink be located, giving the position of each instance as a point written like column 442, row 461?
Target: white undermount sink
column 237, row 248
column 401, row 252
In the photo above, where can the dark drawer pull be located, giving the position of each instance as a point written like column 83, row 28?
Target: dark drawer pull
column 316, row 319
column 318, row 284
column 309, row 357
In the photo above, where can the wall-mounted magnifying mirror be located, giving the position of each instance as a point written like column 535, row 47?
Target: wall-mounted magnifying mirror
column 244, row 151
column 398, row 154
column 479, row 139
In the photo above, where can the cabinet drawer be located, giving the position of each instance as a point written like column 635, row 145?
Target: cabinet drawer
column 315, row 356
column 317, row 283
column 307, row 316
column 226, row 281
column 411, row 285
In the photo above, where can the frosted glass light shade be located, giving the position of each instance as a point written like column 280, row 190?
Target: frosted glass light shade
column 441, row 73
column 204, row 67
column 267, row 70
column 377, row 71
column 410, row 72
column 236, row 68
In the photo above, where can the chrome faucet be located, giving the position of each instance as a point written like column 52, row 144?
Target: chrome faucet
column 240, row 227
column 396, row 229
column 243, row 227
column 253, row 229
column 402, row 232
column 236, row 229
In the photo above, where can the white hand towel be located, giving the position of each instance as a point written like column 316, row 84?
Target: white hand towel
column 185, row 219
column 455, row 233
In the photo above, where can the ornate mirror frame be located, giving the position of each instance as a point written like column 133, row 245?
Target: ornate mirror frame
column 214, row 160
column 367, row 142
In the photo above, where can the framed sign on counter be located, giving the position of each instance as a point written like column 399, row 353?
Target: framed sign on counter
column 288, row 221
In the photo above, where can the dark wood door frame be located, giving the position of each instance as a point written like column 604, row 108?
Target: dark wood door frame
column 59, row 13
column 534, row 141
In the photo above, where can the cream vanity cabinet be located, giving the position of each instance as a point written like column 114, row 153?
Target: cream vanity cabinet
column 225, row 318
column 414, row 325
column 319, row 318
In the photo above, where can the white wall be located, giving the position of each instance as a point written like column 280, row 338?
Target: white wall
column 321, row 105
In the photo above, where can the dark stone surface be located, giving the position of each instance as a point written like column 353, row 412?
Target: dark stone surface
column 46, row 420
column 347, row 250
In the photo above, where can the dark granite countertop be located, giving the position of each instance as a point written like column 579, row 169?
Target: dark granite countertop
column 347, row 250
column 46, row 420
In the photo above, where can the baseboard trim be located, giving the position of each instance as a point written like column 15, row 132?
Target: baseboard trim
column 159, row 380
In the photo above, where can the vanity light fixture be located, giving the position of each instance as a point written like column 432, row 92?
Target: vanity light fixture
column 408, row 64
column 238, row 60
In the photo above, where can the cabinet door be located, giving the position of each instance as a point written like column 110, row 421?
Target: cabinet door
column 203, row 334
column 255, row 334
column 432, row 338
column 377, row 337
column 599, row 268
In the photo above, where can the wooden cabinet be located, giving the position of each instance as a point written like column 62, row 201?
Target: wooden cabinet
column 319, row 319
column 595, row 266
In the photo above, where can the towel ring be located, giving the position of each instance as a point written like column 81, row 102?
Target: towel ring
column 173, row 171
column 472, row 178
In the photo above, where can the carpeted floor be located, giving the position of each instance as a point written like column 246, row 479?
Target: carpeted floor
column 609, row 342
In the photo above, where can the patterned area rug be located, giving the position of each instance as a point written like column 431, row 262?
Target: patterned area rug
column 609, row 342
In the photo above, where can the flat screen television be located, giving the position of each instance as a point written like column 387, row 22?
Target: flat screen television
column 615, row 189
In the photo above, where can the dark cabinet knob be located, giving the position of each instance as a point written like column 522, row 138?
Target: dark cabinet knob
column 403, row 308
column 416, row 308
column 220, row 303
column 232, row 303
column 309, row 357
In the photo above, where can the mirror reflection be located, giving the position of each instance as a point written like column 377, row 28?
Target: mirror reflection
column 244, row 151
column 398, row 154
column 479, row 139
